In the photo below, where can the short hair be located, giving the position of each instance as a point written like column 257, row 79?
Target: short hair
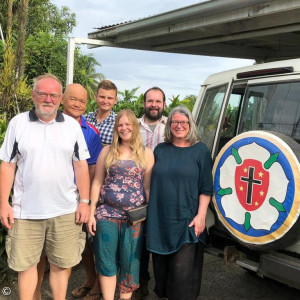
column 155, row 88
column 193, row 136
column 46, row 75
column 107, row 85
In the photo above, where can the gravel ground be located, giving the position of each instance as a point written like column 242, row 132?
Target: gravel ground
column 220, row 281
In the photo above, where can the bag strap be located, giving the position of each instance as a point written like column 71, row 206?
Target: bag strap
column 120, row 208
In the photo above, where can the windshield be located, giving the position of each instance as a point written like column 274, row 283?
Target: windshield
column 274, row 107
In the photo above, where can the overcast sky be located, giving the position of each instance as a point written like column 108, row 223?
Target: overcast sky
column 176, row 74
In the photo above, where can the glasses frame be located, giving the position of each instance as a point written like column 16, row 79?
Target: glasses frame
column 182, row 123
column 43, row 95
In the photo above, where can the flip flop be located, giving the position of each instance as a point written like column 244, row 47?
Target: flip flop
column 93, row 296
column 81, row 291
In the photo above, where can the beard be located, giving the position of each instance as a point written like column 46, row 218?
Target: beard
column 151, row 116
column 43, row 113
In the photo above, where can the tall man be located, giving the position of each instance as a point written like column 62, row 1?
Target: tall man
column 104, row 118
column 48, row 148
column 152, row 127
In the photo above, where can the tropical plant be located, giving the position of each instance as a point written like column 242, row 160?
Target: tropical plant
column 39, row 31
column 3, row 127
column 14, row 93
column 43, row 16
column 85, row 73
column 188, row 101
column 45, row 53
column 128, row 100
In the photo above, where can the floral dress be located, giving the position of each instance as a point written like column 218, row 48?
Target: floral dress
column 118, row 244
column 122, row 190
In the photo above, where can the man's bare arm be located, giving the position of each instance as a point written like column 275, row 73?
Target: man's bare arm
column 92, row 169
column 83, row 185
column 7, row 176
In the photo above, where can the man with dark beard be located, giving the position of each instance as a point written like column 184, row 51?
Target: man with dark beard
column 152, row 129
column 152, row 124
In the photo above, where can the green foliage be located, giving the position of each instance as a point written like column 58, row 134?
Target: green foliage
column 46, row 43
column 43, row 16
column 45, row 53
column 189, row 101
column 3, row 127
column 85, row 73
column 92, row 105
column 14, row 93
column 230, row 121
column 128, row 100
column 47, row 17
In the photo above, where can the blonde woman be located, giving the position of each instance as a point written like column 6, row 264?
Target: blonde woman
column 122, row 180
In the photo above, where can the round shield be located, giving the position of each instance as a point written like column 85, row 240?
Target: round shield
column 257, row 189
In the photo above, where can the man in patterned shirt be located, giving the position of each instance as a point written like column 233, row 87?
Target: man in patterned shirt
column 152, row 124
column 104, row 118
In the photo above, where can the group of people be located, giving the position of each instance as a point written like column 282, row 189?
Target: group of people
column 70, row 171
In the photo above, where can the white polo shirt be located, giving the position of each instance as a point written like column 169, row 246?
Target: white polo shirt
column 44, row 152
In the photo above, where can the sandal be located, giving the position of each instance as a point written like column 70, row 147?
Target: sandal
column 81, row 291
column 93, row 296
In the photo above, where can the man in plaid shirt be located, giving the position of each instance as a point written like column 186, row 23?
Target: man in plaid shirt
column 104, row 118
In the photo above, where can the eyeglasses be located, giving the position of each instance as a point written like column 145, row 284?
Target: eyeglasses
column 182, row 123
column 43, row 96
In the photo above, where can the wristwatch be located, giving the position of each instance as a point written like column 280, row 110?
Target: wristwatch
column 85, row 201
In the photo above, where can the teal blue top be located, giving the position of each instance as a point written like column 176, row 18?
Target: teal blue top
column 180, row 175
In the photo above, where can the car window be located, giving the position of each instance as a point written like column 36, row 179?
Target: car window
column 274, row 107
column 209, row 114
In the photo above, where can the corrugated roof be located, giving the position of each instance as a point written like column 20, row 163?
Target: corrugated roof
column 253, row 29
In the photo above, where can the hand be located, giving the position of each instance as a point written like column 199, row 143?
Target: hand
column 7, row 216
column 91, row 225
column 82, row 213
column 199, row 224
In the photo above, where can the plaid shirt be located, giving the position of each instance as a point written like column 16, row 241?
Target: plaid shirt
column 105, row 127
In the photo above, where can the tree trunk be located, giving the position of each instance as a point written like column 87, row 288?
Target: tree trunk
column 9, row 16
column 22, row 22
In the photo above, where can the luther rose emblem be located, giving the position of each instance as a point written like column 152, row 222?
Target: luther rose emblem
column 256, row 180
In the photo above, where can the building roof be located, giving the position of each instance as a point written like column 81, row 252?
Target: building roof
column 263, row 30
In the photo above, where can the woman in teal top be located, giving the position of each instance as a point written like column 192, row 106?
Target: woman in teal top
column 181, row 188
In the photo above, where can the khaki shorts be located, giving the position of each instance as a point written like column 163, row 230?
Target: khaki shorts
column 63, row 239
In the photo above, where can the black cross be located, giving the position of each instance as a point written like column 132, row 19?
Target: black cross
column 250, row 181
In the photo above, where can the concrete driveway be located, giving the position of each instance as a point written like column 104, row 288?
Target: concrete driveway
column 220, row 281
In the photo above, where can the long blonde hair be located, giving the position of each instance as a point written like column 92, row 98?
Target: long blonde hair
column 136, row 144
